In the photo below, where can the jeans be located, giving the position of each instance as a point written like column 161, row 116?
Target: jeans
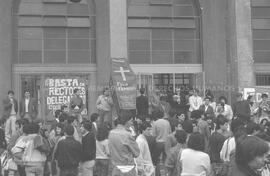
column 87, row 168
column 102, row 167
column 34, row 170
column 159, row 152
column 21, row 170
column 10, row 128
column 69, row 172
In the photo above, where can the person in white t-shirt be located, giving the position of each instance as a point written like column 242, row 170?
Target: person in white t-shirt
column 195, row 101
column 194, row 161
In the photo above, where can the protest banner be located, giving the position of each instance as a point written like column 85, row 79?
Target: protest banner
column 123, row 84
column 59, row 91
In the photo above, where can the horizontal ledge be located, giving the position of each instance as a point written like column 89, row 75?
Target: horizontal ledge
column 54, row 68
column 166, row 68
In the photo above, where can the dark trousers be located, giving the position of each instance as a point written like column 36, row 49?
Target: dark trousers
column 159, row 152
column 21, row 170
column 69, row 172
column 102, row 167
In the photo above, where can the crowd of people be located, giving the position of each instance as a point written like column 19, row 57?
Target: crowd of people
column 170, row 135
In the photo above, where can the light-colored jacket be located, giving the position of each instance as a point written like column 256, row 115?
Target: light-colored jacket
column 30, row 155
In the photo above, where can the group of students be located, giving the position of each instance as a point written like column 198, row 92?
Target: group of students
column 65, row 147
column 198, row 140
column 210, row 138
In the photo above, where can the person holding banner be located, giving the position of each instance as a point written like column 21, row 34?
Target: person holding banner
column 104, row 105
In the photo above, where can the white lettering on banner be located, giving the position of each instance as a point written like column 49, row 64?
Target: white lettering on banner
column 122, row 71
column 62, row 83
column 59, row 92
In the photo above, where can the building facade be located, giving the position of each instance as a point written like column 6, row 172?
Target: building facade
column 52, row 46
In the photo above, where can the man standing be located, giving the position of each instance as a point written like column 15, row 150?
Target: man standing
column 207, row 108
column 76, row 104
column 195, row 101
column 104, row 106
column 144, row 161
column 28, row 107
column 123, row 147
column 161, row 129
column 10, row 105
column 88, row 148
column 68, row 153
column 241, row 109
column 264, row 107
column 142, row 105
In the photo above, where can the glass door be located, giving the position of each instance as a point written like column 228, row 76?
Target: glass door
column 145, row 80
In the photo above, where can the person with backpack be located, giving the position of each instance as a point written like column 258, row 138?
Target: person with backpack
column 31, row 151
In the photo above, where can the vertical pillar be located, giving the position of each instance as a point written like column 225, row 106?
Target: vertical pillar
column 244, row 43
column 5, row 48
column 118, row 28
column 214, row 45
column 111, row 27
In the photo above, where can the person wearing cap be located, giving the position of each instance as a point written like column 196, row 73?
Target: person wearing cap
column 28, row 107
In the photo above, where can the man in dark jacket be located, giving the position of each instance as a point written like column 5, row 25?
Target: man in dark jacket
column 68, row 153
column 142, row 105
column 28, row 107
column 89, row 148
column 241, row 109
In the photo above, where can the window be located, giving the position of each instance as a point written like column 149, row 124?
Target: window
column 163, row 32
column 260, row 13
column 54, row 31
column 263, row 79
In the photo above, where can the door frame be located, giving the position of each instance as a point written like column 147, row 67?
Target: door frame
column 58, row 69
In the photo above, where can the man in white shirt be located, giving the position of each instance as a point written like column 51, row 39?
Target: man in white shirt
column 195, row 101
column 227, row 109
column 144, row 160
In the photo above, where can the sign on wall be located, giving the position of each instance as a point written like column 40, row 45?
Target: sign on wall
column 59, row 91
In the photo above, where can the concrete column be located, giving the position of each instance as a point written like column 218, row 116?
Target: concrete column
column 111, row 27
column 5, row 48
column 244, row 43
column 118, row 28
column 214, row 45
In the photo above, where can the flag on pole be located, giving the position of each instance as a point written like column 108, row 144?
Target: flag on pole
column 123, row 84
